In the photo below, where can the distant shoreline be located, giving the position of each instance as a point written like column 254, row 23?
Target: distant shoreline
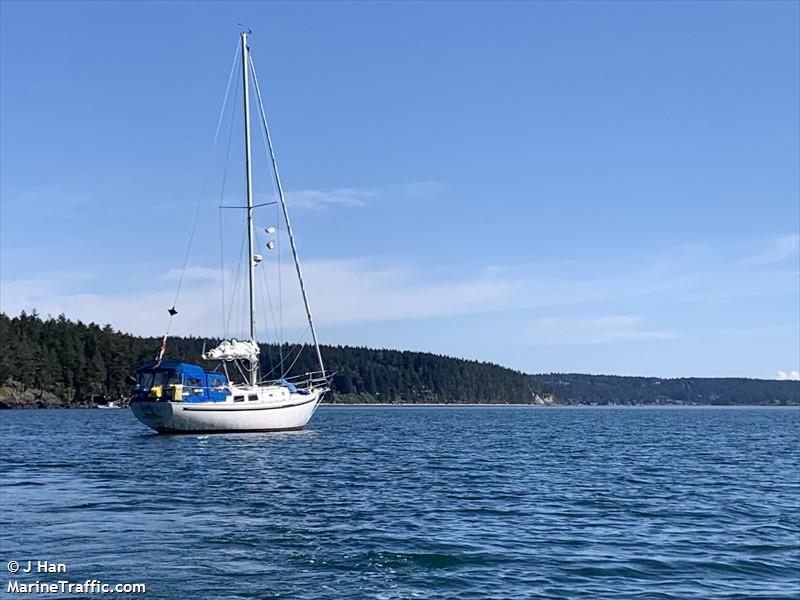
column 472, row 405
column 497, row 405
column 464, row 405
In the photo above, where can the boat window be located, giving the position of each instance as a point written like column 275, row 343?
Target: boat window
column 192, row 386
column 160, row 377
column 144, row 380
column 238, row 398
column 218, row 383
column 253, row 398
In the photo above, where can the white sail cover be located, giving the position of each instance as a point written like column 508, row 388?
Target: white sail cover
column 234, row 350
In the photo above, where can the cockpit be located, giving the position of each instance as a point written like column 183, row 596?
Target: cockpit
column 179, row 382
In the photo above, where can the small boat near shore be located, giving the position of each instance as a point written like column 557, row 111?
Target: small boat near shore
column 174, row 396
column 111, row 404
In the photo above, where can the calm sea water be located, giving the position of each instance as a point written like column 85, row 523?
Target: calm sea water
column 414, row 503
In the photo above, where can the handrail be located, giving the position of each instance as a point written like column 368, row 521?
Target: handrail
column 311, row 376
column 313, row 379
column 304, row 384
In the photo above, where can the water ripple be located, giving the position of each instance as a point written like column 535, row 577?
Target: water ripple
column 397, row 503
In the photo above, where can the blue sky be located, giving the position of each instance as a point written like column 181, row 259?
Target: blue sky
column 584, row 187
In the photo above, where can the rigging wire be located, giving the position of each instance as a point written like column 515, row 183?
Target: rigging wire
column 280, row 280
column 239, row 368
column 286, row 217
column 278, row 324
column 288, row 353
column 244, row 295
column 268, row 295
column 222, row 268
column 296, row 358
column 278, row 329
column 266, row 325
column 172, row 311
column 263, row 280
column 235, row 286
column 221, row 196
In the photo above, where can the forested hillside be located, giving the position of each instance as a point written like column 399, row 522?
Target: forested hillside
column 55, row 362
column 574, row 388
column 77, row 363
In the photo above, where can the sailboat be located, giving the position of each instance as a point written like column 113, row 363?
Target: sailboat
column 173, row 397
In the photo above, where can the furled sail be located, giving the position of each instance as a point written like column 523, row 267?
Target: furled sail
column 234, row 350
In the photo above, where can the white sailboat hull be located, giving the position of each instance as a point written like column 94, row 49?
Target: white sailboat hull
column 212, row 417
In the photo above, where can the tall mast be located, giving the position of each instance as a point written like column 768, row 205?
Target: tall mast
column 286, row 218
column 249, row 181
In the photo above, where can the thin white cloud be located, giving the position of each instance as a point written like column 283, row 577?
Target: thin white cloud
column 788, row 376
column 777, row 250
column 320, row 199
column 354, row 197
column 591, row 330
column 342, row 292
column 192, row 274
column 346, row 291
column 351, row 291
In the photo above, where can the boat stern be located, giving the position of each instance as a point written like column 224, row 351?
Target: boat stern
column 157, row 415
